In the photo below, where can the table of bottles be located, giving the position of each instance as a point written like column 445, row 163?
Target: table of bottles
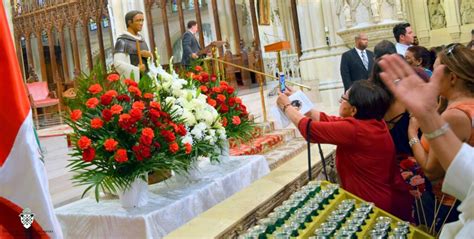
column 323, row 210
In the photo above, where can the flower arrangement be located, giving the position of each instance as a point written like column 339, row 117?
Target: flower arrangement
column 413, row 175
column 223, row 97
column 124, row 129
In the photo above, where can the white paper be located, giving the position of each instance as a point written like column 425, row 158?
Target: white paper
column 297, row 99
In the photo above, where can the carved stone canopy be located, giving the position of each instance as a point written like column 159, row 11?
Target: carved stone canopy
column 375, row 33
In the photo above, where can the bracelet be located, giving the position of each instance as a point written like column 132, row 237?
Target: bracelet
column 413, row 141
column 285, row 106
column 437, row 132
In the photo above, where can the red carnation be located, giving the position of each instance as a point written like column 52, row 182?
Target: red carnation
column 223, row 83
column 92, row 103
column 130, row 82
column 112, row 93
column 236, row 120
column 125, row 98
column 204, row 77
column 110, row 144
column 224, row 108
column 238, row 100
column 231, row 102
column 148, row 96
column 203, row 88
column 188, row 148
column 84, row 142
column 95, row 88
column 136, row 114
column 97, row 123
column 113, row 77
column 148, row 132
column 106, row 99
column 138, row 105
column 230, row 90
column 221, row 97
column 76, row 115
column 198, row 68
column 155, row 105
column 174, row 147
column 107, row 115
column 121, row 156
column 181, row 130
column 134, row 90
column 155, row 114
column 168, row 135
column 211, row 102
column 147, row 136
column 116, row 109
column 216, row 89
column 224, row 122
column 88, row 155
column 407, row 164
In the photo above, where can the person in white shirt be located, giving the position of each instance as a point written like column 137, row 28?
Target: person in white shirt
column 454, row 156
column 404, row 36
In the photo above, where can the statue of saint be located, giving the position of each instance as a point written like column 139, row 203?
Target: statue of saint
column 347, row 15
column 126, row 57
column 437, row 14
column 375, row 9
column 467, row 11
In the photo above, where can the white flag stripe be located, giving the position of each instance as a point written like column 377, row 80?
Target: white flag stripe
column 23, row 180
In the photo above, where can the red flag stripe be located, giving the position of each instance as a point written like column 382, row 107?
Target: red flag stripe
column 14, row 104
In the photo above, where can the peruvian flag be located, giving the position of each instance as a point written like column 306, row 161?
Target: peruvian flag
column 23, row 181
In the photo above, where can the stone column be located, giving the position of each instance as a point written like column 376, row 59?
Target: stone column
column 421, row 22
column 315, row 11
column 453, row 17
column 305, row 26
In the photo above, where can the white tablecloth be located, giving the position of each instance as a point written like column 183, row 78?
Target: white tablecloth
column 171, row 203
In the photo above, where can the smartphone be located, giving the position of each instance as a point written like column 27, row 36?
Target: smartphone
column 282, row 82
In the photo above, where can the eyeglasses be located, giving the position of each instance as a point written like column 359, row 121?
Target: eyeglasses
column 450, row 48
column 343, row 98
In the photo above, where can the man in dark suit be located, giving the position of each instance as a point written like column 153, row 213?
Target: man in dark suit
column 190, row 44
column 356, row 64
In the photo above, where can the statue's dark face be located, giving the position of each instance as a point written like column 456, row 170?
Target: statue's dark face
column 137, row 23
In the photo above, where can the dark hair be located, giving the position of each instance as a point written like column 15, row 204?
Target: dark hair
column 472, row 32
column 130, row 15
column 421, row 53
column 377, row 80
column 370, row 100
column 384, row 47
column 191, row 24
column 400, row 29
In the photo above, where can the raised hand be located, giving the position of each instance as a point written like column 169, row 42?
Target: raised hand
column 418, row 96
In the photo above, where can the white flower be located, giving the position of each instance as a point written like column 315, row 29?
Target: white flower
column 178, row 110
column 189, row 117
column 170, row 100
column 187, row 139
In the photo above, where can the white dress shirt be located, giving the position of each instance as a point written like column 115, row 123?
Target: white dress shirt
column 401, row 48
column 359, row 52
column 458, row 182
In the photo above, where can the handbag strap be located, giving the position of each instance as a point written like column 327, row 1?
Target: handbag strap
column 308, row 137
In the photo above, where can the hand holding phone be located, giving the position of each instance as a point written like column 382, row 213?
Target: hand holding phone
column 282, row 82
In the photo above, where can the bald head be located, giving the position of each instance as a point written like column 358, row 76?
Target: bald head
column 361, row 41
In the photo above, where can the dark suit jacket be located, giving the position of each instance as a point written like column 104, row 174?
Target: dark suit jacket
column 190, row 46
column 352, row 68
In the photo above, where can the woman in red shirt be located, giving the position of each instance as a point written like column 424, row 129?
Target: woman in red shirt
column 365, row 154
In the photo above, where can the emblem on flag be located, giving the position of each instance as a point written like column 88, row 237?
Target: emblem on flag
column 27, row 218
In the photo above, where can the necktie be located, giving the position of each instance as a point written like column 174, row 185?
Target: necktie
column 364, row 60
